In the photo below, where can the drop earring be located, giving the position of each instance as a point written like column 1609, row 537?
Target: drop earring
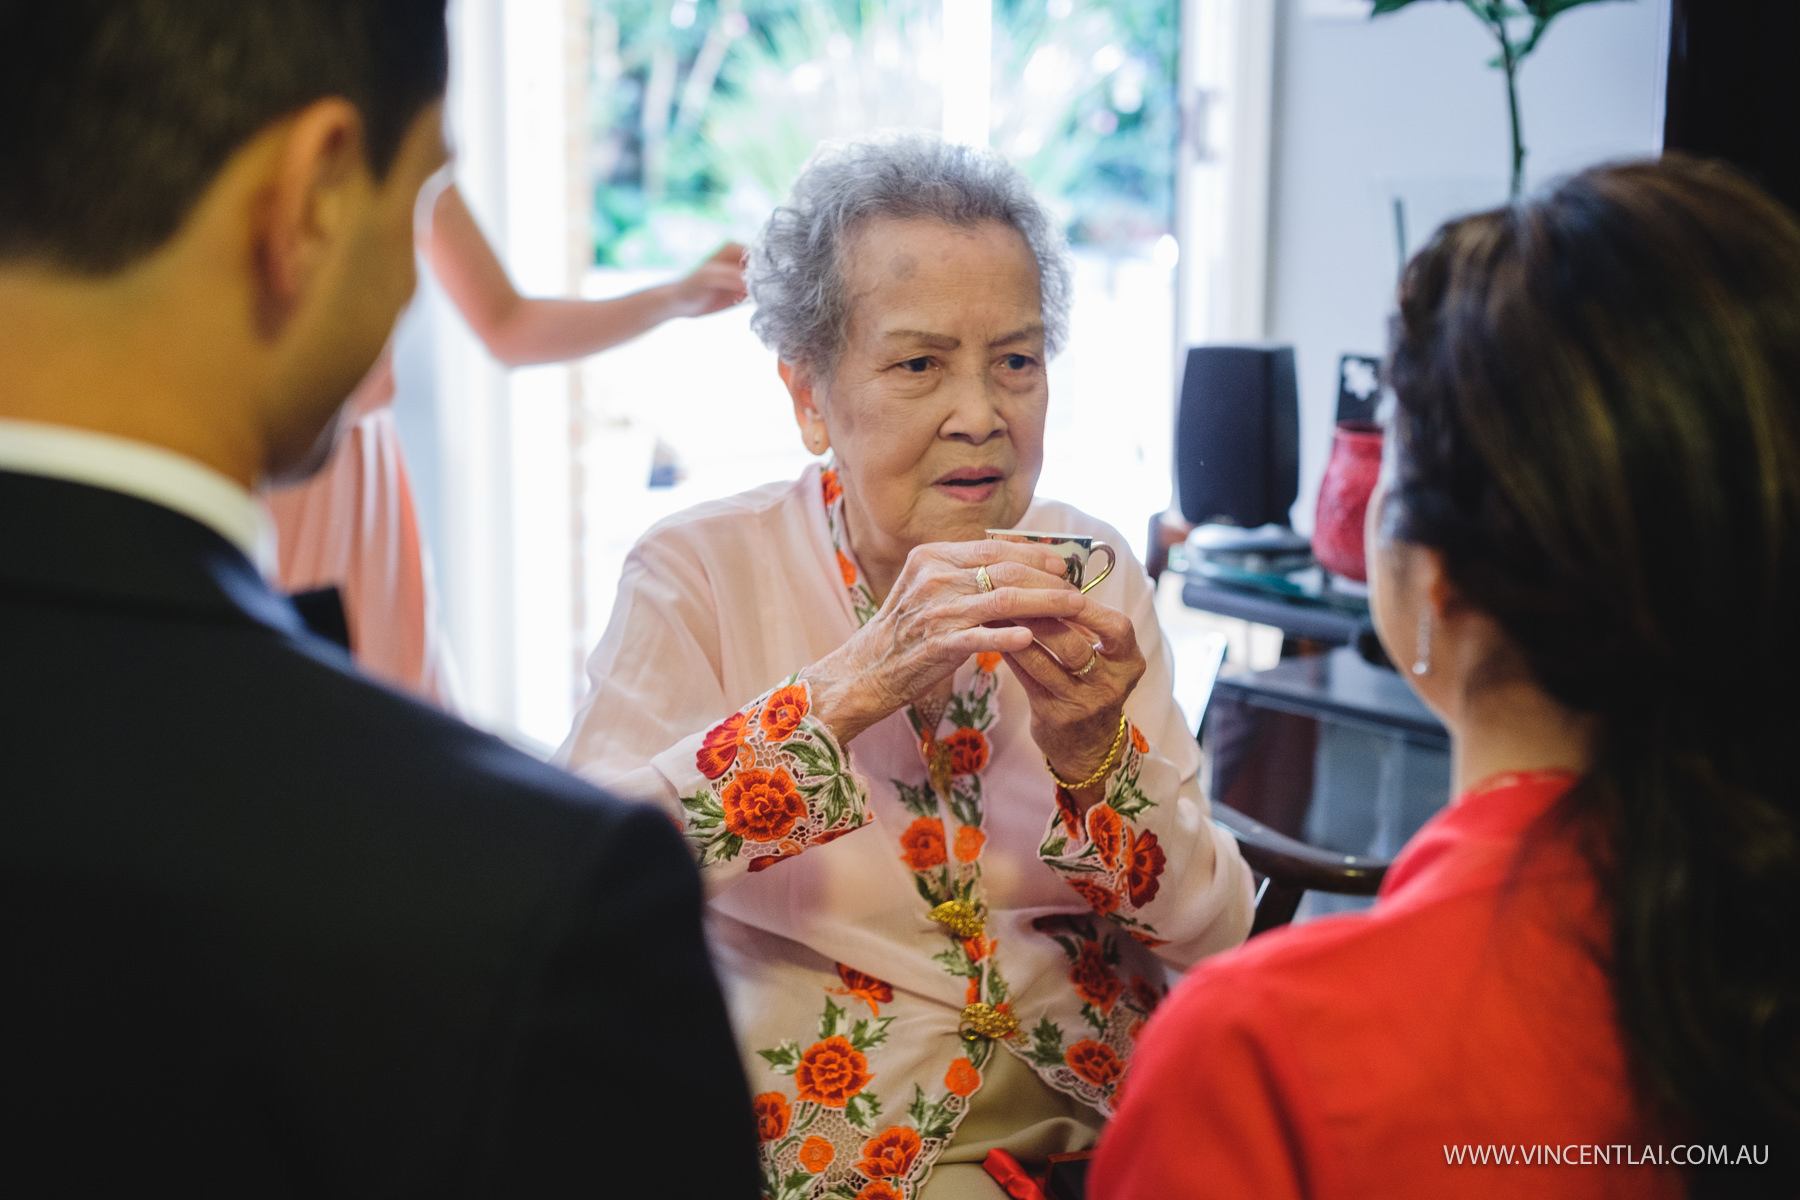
column 1422, row 654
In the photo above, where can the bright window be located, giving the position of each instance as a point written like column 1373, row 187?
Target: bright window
column 665, row 127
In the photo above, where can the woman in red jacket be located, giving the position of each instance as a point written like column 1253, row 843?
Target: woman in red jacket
column 1586, row 554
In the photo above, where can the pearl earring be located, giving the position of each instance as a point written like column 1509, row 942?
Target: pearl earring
column 1422, row 655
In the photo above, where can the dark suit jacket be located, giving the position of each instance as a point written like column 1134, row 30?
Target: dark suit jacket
column 267, row 929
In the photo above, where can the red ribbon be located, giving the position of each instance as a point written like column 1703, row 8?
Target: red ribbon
column 1007, row 1172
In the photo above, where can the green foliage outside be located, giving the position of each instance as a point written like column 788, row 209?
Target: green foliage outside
column 703, row 110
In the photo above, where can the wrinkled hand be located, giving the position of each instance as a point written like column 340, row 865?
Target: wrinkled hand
column 716, row 284
column 1075, row 718
column 935, row 618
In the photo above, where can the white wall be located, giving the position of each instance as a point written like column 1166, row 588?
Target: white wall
column 1405, row 105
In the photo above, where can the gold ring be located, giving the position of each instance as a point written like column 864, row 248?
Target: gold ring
column 1091, row 663
column 982, row 582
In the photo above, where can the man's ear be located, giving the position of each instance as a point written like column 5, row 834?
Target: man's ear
column 799, row 381
column 319, row 179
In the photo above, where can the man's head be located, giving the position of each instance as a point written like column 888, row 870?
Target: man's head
column 253, row 160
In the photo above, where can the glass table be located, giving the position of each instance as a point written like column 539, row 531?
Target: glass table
column 1330, row 749
column 1305, row 604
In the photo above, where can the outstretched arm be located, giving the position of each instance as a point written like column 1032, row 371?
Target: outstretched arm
column 523, row 330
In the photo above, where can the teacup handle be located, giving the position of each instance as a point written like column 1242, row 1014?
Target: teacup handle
column 1111, row 558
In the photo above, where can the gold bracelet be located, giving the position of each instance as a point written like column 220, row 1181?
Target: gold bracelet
column 1106, row 765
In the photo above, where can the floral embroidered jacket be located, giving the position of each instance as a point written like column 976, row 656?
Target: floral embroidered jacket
column 888, row 915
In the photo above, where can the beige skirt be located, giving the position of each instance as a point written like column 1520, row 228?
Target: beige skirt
column 1014, row 1111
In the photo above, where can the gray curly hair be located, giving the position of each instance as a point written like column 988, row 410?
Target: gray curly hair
column 794, row 270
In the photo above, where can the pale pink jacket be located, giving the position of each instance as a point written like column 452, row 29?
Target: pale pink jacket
column 846, row 994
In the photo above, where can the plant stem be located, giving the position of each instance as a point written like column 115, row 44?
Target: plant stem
column 1492, row 13
column 1511, row 62
column 1400, row 232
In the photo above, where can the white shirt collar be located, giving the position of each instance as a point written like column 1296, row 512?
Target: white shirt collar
column 139, row 469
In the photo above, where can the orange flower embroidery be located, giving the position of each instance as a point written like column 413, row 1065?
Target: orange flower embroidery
column 1147, row 861
column 1144, row 993
column 890, row 1153
column 969, row 841
column 1095, row 1062
column 1066, row 809
column 828, row 481
column 831, row 1072
column 1139, row 742
column 1146, row 939
column 1100, row 898
column 834, row 834
column 761, row 806
column 878, row 1189
column 988, row 660
column 870, row 990
column 972, row 993
column 1107, row 832
column 720, row 749
column 782, row 714
column 765, row 861
column 977, row 948
column 772, row 1113
column 968, row 751
column 923, row 843
column 847, row 569
column 816, row 1154
column 962, row 1078
column 1093, row 979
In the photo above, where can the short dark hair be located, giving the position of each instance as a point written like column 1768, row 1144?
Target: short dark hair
column 115, row 115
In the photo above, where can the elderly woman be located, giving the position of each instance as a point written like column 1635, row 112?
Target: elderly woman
column 945, row 803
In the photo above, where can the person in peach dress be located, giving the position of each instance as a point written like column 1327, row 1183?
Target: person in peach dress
column 354, row 525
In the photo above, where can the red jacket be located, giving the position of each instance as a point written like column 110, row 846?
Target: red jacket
column 1356, row 1056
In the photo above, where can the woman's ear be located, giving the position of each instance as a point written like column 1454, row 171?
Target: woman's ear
column 1434, row 586
column 806, row 406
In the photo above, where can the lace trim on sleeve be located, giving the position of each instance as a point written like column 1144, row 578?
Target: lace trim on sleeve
column 777, row 783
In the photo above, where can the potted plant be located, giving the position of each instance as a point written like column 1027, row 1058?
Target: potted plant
column 1518, row 27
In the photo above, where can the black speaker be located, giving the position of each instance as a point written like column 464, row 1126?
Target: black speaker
column 1237, row 436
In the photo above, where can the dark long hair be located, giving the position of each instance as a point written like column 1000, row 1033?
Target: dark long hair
column 1598, row 426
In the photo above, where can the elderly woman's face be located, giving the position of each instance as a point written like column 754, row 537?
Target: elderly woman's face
column 936, row 409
